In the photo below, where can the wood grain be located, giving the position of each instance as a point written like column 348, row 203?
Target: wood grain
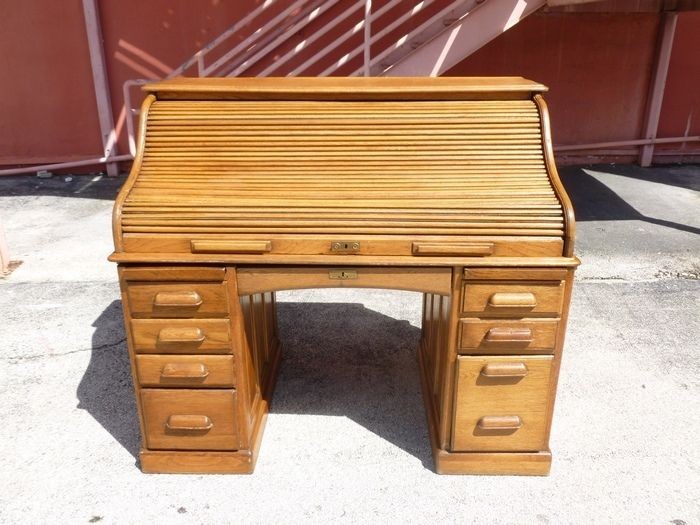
column 185, row 371
column 158, row 336
column 339, row 88
column 513, row 299
column 268, row 279
column 219, row 406
column 506, row 394
column 476, row 336
column 177, row 300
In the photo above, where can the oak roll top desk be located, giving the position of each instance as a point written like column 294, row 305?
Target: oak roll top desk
column 243, row 187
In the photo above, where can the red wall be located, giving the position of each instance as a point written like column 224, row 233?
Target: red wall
column 149, row 39
column 47, row 100
column 680, row 111
column 597, row 66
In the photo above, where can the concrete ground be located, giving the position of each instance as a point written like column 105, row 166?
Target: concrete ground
column 346, row 440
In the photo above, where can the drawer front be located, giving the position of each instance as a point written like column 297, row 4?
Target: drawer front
column 497, row 336
column 521, row 299
column 188, row 371
column 190, row 419
column 501, row 403
column 269, row 279
column 181, row 336
column 177, row 300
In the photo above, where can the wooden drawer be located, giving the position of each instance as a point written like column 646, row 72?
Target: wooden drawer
column 496, row 336
column 190, row 419
column 188, row 371
column 268, row 279
column 177, row 299
column 513, row 299
column 181, row 336
column 501, row 403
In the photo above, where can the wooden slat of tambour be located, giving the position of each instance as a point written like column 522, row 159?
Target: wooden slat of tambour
column 477, row 207
column 266, row 105
column 289, row 203
column 237, row 214
column 503, row 229
column 344, row 203
column 305, row 180
column 161, row 139
column 247, row 173
column 144, row 220
column 365, row 190
column 291, row 222
column 320, row 163
column 345, row 146
column 369, row 231
column 329, row 224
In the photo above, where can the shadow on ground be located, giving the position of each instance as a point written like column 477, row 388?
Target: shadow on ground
column 594, row 201
column 73, row 186
column 106, row 390
column 346, row 360
column 338, row 359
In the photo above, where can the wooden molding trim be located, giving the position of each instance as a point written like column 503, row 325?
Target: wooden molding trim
column 560, row 192
column 133, row 174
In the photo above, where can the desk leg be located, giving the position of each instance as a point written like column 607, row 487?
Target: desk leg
column 437, row 357
column 256, row 333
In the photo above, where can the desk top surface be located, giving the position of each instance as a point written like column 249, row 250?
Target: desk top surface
column 342, row 88
column 267, row 166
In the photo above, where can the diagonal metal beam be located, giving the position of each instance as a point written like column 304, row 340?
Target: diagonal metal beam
column 461, row 39
column 313, row 11
column 658, row 85
column 99, row 79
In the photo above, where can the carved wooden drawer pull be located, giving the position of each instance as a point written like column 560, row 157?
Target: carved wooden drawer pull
column 192, row 423
column 181, row 335
column 175, row 299
column 509, row 335
column 184, row 371
column 504, row 370
column 456, row 249
column 513, row 300
column 500, row 423
column 214, row 246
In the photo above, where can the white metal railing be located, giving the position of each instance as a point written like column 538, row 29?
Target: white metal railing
column 275, row 30
column 462, row 6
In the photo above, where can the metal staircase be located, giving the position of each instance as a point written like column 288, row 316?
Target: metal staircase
column 348, row 38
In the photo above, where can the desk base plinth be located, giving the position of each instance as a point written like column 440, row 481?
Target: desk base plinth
column 196, row 462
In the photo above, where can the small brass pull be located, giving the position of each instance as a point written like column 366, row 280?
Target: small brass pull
column 500, row 423
column 184, row 371
column 513, row 300
column 508, row 335
column 186, row 422
column 189, row 334
column 177, row 299
column 504, row 370
column 342, row 274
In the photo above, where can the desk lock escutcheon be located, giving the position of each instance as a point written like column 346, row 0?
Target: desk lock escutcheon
column 345, row 246
column 342, row 274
